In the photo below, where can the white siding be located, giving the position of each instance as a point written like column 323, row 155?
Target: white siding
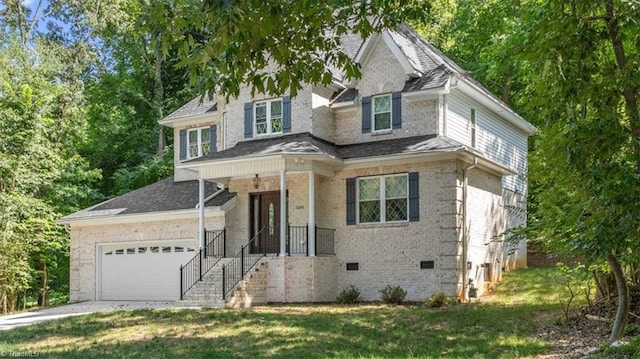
column 497, row 139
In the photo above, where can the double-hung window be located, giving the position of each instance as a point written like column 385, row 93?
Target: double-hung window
column 268, row 117
column 381, row 112
column 199, row 142
column 383, row 199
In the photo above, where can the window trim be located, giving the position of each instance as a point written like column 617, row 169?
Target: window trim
column 268, row 103
column 382, row 197
column 374, row 113
column 199, row 131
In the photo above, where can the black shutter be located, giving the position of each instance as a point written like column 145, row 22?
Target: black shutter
column 396, row 110
column 286, row 114
column 248, row 120
column 366, row 114
column 183, row 145
column 351, row 201
column 414, row 197
column 214, row 138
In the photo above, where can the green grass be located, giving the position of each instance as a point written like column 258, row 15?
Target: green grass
column 501, row 327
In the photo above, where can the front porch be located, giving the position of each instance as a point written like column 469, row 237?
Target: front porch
column 233, row 267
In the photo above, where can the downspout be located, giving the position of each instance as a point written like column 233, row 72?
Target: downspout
column 465, row 231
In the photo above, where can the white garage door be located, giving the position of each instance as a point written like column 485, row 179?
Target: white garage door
column 142, row 271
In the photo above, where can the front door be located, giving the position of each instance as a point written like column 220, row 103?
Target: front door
column 265, row 220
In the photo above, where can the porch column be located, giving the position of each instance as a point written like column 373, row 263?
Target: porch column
column 283, row 214
column 201, row 212
column 311, row 241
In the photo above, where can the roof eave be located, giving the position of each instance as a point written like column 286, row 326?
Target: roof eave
column 474, row 91
column 146, row 217
column 188, row 120
column 261, row 156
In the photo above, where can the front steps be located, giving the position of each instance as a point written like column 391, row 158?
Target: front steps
column 208, row 292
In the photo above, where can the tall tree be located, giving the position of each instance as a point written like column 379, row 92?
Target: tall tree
column 567, row 66
column 270, row 46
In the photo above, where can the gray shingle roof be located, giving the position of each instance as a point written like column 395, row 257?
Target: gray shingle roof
column 194, row 108
column 164, row 195
column 306, row 143
column 346, row 95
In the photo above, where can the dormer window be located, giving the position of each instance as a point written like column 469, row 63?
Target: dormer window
column 199, row 142
column 382, row 113
column 268, row 117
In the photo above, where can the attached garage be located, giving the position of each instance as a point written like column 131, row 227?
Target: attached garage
column 142, row 270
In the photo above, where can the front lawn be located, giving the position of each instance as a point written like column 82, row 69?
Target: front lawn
column 502, row 327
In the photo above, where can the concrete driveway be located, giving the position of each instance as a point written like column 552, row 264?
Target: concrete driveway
column 27, row 318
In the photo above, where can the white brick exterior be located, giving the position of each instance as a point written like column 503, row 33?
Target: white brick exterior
column 85, row 239
column 387, row 254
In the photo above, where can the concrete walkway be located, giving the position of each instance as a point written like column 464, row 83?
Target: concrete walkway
column 27, row 318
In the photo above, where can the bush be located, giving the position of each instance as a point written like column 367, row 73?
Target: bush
column 349, row 295
column 438, row 300
column 393, row 295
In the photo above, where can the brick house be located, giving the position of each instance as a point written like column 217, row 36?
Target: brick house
column 404, row 177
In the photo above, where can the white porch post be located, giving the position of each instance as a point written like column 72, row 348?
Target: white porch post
column 283, row 213
column 201, row 212
column 311, row 241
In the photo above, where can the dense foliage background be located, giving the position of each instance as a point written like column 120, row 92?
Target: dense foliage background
column 82, row 85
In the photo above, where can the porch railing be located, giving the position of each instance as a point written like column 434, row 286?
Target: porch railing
column 299, row 241
column 206, row 258
column 234, row 271
column 325, row 241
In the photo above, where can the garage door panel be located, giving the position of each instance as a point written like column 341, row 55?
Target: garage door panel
column 143, row 272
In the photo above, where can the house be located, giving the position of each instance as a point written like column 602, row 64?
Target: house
column 406, row 177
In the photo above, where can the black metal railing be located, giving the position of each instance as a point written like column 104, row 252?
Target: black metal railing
column 262, row 243
column 240, row 264
column 325, row 241
column 206, row 258
column 298, row 240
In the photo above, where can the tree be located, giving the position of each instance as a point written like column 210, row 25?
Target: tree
column 270, row 46
column 570, row 67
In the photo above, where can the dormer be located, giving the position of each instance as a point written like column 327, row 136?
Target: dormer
column 195, row 132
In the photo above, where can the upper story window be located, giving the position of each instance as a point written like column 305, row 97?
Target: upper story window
column 381, row 112
column 268, row 117
column 199, row 142
column 473, row 127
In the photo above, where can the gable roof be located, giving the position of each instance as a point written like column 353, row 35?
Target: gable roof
column 196, row 107
column 162, row 196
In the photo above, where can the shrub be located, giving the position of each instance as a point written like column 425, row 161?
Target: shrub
column 393, row 295
column 438, row 300
column 349, row 295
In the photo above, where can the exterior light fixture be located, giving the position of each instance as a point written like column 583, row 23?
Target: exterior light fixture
column 256, row 181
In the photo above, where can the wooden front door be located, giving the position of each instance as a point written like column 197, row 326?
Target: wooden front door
column 265, row 222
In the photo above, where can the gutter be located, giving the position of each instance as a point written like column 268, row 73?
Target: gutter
column 216, row 193
column 465, row 231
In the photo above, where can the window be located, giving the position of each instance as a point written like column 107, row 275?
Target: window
column 383, row 199
column 382, row 112
column 199, row 142
column 473, row 127
column 268, row 117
